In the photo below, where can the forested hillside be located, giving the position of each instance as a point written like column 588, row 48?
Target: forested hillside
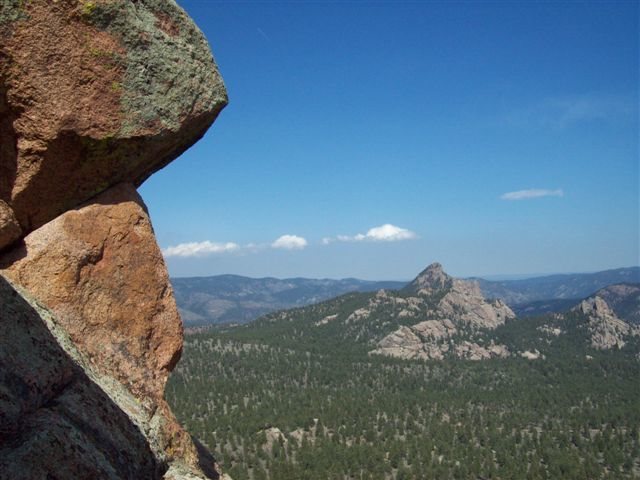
column 293, row 397
column 229, row 299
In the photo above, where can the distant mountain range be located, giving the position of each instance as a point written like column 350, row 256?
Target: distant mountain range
column 235, row 299
column 439, row 317
column 556, row 287
column 227, row 299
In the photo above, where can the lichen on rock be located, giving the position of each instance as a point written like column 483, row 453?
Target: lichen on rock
column 12, row 11
column 161, row 46
column 95, row 96
column 125, row 89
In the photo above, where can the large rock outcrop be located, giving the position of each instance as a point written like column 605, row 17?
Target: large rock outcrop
column 94, row 93
column 94, row 97
column 624, row 301
column 56, row 418
column 606, row 330
column 461, row 300
column 432, row 279
column 453, row 312
column 100, row 271
column 465, row 301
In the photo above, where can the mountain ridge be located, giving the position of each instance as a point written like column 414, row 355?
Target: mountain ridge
column 434, row 317
column 238, row 299
column 229, row 298
column 558, row 286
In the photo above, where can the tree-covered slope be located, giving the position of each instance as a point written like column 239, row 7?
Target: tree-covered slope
column 271, row 407
column 298, row 395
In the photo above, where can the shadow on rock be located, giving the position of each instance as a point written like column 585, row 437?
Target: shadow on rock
column 55, row 422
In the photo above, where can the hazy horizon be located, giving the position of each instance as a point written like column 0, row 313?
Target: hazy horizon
column 492, row 277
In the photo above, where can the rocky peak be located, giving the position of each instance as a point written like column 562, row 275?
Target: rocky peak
column 460, row 307
column 459, row 300
column 606, row 329
column 595, row 307
column 432, row 279
column 624, row 300
column 465, row 304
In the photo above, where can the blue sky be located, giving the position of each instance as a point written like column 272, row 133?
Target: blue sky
column 369, row 139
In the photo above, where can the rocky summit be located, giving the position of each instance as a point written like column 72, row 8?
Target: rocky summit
column 624, row 300
column 430, row 280
column 459, row 299
column 455, row 308
column 605, row 329
column 434, row 317
column 90, row 328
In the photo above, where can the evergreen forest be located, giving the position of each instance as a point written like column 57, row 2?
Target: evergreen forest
column 285, row 399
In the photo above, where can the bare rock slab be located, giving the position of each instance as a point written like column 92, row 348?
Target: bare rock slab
column 99, row 269
column 10, row 230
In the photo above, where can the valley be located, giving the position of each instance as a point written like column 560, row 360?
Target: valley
column 311, row 393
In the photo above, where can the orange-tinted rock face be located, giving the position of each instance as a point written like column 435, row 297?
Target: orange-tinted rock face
column 99, row 269
column 96, row 93
column 95, row 96
column 9, row 228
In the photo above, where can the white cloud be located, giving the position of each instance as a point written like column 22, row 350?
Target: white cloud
column 565, row 111
column 383, row 233
column 199, row 249
column 389, row 233
column 531, row 193
column 290, row 242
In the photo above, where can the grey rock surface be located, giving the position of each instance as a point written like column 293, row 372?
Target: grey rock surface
column 455, row 309
column 55, row 421
column 605, row 328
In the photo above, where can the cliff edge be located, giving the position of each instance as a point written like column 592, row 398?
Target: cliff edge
column 95, row 96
